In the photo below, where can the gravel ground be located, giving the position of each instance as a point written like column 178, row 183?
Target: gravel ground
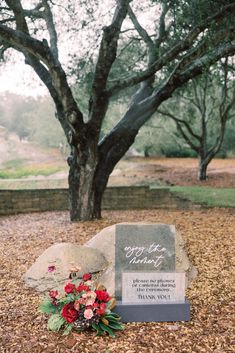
column 209, row 236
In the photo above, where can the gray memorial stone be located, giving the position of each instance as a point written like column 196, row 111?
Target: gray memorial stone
column 143, row 248
column 146, row 253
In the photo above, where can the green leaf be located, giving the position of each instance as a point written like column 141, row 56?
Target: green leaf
column 107, row 329
column 55, row 322
column 116, row 326
column 68, row 329
column 47, row 307
column 66, row 300
column 97, row 328
column 112, row 318
column 115, row 315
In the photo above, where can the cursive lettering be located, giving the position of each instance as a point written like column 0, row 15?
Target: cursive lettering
column 156, row 262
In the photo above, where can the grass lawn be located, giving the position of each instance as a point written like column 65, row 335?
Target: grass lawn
column 213, row 197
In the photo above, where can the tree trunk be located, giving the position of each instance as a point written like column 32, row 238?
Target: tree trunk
column 81, row 184
column 202, row 168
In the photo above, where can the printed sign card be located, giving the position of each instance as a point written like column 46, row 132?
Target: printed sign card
column 153, row 287
column 143, row 248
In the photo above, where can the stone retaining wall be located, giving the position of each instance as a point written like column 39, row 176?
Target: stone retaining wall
column 116, row 198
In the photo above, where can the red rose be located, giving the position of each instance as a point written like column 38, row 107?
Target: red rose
column 101, row 310
column 69, row 288
column 53, row 293
column 102, row 295
column 86, row 277
column 69, row 313
column 82, row 287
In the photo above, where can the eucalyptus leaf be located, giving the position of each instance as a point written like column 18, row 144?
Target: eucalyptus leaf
column 55, row 322
column 68, row 329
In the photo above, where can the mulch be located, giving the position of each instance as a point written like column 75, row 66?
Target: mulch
column 209, row 237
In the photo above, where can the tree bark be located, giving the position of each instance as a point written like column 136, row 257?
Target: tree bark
column 202, row 169
column 81, row 183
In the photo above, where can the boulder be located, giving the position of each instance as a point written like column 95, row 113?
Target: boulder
column 105, row 242
column 63, row 256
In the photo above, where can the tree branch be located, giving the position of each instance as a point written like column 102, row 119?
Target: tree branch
column 180, row 121
column 187, row 139
column 47, row 15
column 107, row 55
column 162, row 26
column 171, row 54
column 139, row 113
column 35, row 51
column 142, row 32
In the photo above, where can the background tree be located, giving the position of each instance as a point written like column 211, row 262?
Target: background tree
column 205, row 105
column 179, row 40
column 31, row 119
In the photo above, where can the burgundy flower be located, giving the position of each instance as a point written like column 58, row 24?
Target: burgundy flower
column 54, row 302
column 82, row 287
column 69, row 313
column 86, row 277
column 102, row 296
column 51, row 268
column 69, row 288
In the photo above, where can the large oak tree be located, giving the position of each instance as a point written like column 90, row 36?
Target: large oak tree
column 181, row 38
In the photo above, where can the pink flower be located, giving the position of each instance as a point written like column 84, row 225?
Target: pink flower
column 75, row 269
column 90, row 301
column 76, row 305
column 88, row 314
column 53, row 293
column 51, row 268
column 82, row 301
column 89, row 295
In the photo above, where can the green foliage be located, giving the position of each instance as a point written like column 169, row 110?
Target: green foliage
column 47, row 307
column 107, row 329
column 113, row 323
column 68, row 329
column 55, row 322
column 14, row 163
column 69, row 298
column 212, row 197
column 97, row 328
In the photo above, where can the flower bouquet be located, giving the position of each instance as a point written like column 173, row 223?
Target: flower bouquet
column 83, row 305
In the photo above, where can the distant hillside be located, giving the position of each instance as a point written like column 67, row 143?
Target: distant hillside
column 26, row 153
